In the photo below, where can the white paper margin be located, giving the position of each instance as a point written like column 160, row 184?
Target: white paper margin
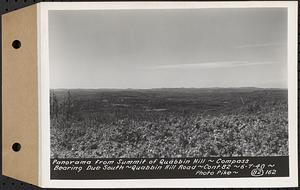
column 44, row 140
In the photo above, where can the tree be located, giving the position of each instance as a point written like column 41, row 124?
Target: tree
column 54, row 106
column 69, row 105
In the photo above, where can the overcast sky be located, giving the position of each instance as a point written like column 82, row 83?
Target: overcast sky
column 168, row 48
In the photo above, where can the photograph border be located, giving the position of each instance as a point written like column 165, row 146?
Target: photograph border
column 44, row 110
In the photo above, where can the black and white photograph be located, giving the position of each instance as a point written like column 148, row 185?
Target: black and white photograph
column 190, row 94
column 168, row 83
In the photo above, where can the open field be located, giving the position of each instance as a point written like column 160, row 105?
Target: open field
column 181, row 122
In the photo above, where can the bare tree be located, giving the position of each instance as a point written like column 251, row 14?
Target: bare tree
column 54, row 106
column 68, row 106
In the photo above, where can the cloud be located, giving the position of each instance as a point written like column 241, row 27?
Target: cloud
column 259, row 45
column 211, row 65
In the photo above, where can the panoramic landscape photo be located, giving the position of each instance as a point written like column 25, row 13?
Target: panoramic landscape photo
column 168, row 83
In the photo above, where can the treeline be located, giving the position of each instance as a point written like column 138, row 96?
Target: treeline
column 62, row 111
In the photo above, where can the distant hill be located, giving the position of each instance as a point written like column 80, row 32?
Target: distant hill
column 178, row 90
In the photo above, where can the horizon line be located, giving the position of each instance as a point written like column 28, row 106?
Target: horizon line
column 169, row 88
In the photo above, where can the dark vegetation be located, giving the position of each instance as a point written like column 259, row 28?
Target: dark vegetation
column 169, row 123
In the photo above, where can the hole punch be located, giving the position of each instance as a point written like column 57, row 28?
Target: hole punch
column 16, row 147
column 16, row 44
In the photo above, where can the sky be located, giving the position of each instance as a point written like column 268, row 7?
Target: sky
column 199, row 48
